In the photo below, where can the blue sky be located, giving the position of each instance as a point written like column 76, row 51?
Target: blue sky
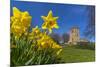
column 69, row 14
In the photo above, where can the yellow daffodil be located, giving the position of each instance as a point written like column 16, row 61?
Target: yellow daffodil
column 36, row 30
column 26, row 19
column 20, row 22
column 35, row 33
column 49, row 22
column 46, row 41
column 56, row 46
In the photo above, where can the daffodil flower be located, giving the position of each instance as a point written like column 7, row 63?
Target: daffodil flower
column 20, row 22
column 49, row 22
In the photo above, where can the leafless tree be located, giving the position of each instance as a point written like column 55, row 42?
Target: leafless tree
column 56, row 37
column 90, row 28
column 65, row 37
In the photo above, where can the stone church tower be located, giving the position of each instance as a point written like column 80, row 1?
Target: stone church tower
column 74, row 36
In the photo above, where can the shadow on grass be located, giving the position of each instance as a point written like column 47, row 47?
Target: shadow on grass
column 86, row 46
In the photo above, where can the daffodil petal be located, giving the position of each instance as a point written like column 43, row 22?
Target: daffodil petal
column 56, row 26
column 16, row 12
column 44, row 18
column 44, row 26
column 55, row 18
column 50, row 15
column 25, row 14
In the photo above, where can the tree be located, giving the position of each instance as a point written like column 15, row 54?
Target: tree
column 65, row 37
column 56, row 37
column 90, row 28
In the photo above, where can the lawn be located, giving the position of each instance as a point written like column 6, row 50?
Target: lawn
column 72, row 55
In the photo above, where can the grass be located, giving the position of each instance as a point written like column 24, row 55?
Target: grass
column 72, row 54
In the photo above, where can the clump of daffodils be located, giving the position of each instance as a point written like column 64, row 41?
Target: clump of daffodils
column 32, row 46
column 20, row 22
